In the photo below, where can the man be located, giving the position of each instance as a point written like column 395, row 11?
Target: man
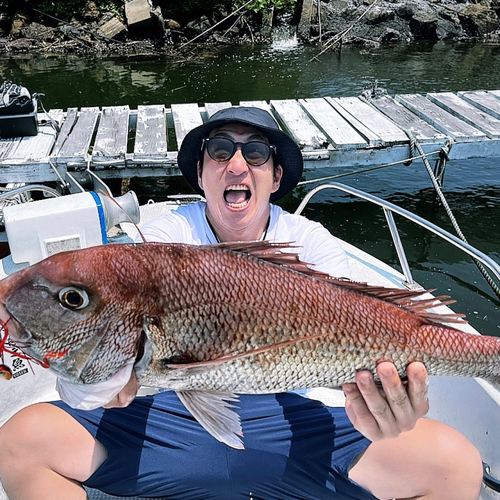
column 294, row 447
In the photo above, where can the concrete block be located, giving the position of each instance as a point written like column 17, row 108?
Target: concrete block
column 113, row 28
column 138, row 14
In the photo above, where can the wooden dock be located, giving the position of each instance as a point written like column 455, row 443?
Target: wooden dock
column 117, row 142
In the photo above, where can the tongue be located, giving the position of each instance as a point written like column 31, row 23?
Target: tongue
column 235, row 197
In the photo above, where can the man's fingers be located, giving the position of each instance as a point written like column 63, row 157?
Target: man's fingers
column 368, row 409
column 398, row 401
column 418, row 388
column 382, row 415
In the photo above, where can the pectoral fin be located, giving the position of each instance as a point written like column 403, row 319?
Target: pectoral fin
column 213, row 411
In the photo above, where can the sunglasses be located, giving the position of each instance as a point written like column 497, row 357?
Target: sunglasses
column 221, row 149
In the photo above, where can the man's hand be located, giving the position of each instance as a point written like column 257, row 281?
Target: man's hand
column 126, row 395
column 385, row 415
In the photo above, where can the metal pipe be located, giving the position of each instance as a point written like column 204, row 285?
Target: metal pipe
column 398, row 246
column 445, row 235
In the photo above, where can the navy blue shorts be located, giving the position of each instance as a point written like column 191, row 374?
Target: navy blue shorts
column 295, row 448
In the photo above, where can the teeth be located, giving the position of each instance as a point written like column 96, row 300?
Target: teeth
column 237, row 205
column 237, row 187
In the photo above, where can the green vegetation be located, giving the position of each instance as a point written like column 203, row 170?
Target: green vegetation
column 259, row 5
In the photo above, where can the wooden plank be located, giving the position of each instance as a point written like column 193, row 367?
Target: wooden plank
column 112, row 133
column 212, row 107
column 374, row 120
column 407, row 120
column 77, row 142
column 8, row 147
column 371, row 137
column 338, row 130
column 440, row 118
column 67, row 126
column 467, row 112
column 186, row 117
column 257, row 104
column 485, row 101
column 151, row 132
column 300, row 126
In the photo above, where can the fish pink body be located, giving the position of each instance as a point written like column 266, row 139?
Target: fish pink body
column 211, row 320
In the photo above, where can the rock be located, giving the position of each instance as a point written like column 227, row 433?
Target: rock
column 423, row 26
column 340, row 5
column 478, row 20
column 90, row 12
column 391, row 36
column 379, row 15
column 406, row 11
column 4, row 21
column 39, row 32
column 266, row 27
column 23, row 45
column 495, row 6
column 303, row 30
column 172, row 25
column 20, row 20
column 198, row 26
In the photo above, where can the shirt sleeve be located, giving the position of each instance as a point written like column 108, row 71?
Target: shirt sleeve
column 323, row 251
column 315, row 244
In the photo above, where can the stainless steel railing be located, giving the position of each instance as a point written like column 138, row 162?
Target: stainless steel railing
column 389, row 209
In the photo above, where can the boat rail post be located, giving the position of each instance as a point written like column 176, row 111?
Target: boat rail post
column 399, row 247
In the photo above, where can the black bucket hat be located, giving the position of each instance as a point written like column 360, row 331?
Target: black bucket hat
column 287, row 151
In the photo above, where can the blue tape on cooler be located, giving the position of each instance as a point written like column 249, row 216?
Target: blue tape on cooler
column 102, row 219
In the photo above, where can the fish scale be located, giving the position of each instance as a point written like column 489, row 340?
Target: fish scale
column 213, row 321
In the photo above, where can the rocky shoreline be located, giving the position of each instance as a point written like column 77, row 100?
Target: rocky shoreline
column 329, row 23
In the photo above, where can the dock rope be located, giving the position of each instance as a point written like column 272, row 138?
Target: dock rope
column 439, row 168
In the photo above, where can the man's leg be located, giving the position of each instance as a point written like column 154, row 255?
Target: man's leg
column 46, row 454
column 432, row 462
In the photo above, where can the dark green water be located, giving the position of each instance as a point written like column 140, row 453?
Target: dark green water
column 472, row 188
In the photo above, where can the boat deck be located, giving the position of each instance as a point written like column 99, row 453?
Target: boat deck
column 118, row 142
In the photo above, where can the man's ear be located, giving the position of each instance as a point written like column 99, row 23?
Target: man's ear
column 198, row 170
column 278, row 174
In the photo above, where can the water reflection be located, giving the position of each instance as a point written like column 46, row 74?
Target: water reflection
column 249, row 73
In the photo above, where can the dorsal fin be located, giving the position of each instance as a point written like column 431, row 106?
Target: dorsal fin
column 274, row 253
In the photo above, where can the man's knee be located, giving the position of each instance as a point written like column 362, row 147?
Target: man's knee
column 20, row 438
column 458, row 458
column 43, row 435
column 433, row 461
column 24, row 434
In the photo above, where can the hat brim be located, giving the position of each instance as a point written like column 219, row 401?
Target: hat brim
column 287, row 152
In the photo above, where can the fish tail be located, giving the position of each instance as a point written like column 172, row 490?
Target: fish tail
column 466, row 354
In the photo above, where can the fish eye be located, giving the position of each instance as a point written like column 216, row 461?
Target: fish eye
column 73, row 298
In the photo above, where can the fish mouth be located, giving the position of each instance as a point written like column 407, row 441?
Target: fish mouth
column 237, row 196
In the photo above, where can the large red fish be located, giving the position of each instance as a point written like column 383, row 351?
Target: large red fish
column 213, row 321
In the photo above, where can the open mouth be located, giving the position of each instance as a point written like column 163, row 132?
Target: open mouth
column 237, row 196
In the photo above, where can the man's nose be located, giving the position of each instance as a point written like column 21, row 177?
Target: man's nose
column 238, row 164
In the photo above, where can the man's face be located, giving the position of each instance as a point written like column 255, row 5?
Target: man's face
column 237, row 193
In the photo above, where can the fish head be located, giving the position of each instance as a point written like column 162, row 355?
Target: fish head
column 71, row 315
